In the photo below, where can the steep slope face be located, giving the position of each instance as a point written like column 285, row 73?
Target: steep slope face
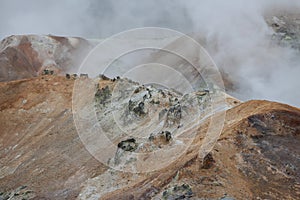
column 268, row 144
column 42, row 156
column 27, row 56
column 40, row 152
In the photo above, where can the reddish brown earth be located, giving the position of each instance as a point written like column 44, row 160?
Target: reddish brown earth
column 40, row 147
column 41, row 156
column 26, row 56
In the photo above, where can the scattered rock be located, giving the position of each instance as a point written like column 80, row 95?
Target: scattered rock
column 137, row 109
column 102, row 95
column 168, row 136
column 84, row 75
column 174, row 115
column 178, row 192
column 155, row 101
column 137, row 90
column 103, row 77
column 128, row 145
column 47, row 72
column 20, row 193
column 161, row 138
column 74, row 76
column 208, row 161
column 202, row 93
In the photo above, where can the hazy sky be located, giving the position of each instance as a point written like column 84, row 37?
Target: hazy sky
column 89, row 18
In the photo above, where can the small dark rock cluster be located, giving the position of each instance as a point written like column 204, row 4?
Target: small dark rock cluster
column 174, row 115
column 176, row 192
column 155, row 101
column 73, row 76
column 21, row 192
column 164, row 136
column 84, row 75
column 103, row 95
column 48, row 72
column 137, row 109
column 128, row 145
column 208, row 161
column 105, row 78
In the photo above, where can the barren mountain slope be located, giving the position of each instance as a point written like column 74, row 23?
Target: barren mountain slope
column 40, row 147
column 257, row 155
column 26, row 56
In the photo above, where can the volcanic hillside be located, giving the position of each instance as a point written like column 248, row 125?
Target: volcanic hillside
column 42, row 156
column 52, row 127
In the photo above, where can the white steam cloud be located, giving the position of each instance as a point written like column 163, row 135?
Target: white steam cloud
column 234, row 32
column 238, row 38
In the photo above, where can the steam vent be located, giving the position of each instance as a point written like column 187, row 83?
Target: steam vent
column 69, row 130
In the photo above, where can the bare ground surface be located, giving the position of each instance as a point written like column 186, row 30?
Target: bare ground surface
column 42, row 157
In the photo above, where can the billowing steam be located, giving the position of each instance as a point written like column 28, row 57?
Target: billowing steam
column 239, row 39
column 234, row 32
